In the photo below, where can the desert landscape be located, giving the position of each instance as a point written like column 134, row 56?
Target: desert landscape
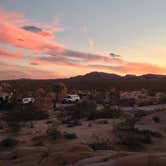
column 107, row 126
column 82, row 83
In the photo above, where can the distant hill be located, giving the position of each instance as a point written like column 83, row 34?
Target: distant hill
column 109, row 76
column 98, row 80
column 97, row 76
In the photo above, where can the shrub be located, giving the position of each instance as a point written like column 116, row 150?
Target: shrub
column 53, row 130
column 14, row 117
column 132, row 137
column 70, row 135
column 156, row 119
column 162, row 99
column 9, row 142
column 100, row 144
column 127, row 102
column 84, row 109
column 87, row 109
column 139, row 114
column 54, row 133
column 108, row 112
column 146, row 102
column 72, row 123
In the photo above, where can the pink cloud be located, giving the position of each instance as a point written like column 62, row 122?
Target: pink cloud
column 14, row 35
column 13, row 32
column 17, row 71
column 5, row 53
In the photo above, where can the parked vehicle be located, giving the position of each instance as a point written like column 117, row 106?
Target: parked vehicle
column 28, row 100
column 71, row 98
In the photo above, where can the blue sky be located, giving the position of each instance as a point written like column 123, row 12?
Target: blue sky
column 135, row 29
column 112, row 24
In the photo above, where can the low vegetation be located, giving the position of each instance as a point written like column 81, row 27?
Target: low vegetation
column 88, row 110
column 70, row 135
column 22, row 114
column 8, row 143
column 100, row 143
column 133, row 138
column 156, row 119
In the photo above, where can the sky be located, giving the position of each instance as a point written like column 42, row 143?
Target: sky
column 62, row 38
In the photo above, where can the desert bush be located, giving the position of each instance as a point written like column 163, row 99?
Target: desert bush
column 13, row 118
column 156, row 119
column 70, row 135
column 134, row 138
column 6, row 105
column 127, row 102
column 8, row 142
column 87, row 109
column 54, row 133
column 109, row 112
column 99, row 143
column 84, row 109
column 72, row 123
column 151, row 92
column 162, row 99
column 53, row 130
column 146, row 102
column 131, row 140
column 139, row 114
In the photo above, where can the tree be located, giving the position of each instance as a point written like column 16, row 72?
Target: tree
column 60, row 91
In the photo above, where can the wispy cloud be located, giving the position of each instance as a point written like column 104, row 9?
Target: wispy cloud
column 17, row 71
column 7, row 54
column 17, row 31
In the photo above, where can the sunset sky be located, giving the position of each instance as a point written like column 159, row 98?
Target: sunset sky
column 63, row 38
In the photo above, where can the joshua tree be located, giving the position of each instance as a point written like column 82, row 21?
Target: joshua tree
column 60, row 91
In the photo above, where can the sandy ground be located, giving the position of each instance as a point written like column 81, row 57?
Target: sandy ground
column 88, row 131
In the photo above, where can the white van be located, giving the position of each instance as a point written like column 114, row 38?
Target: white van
column 28, row 100
column 71, row 98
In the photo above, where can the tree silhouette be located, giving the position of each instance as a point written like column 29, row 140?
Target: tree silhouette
column 60, row 91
